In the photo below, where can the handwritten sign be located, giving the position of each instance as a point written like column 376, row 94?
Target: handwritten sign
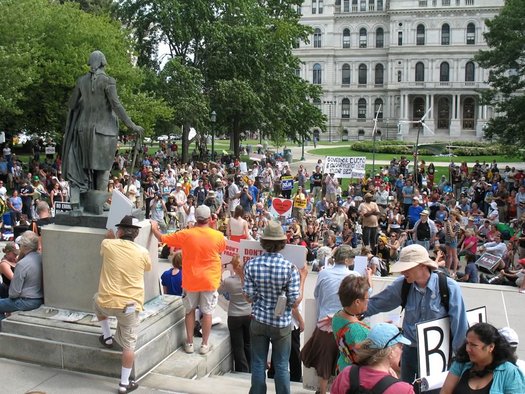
column 281, row 207
column 487, row 262
column 50, row 150
column 434, row 346
column 296, row 254
column 345, row 167
column 286, row 182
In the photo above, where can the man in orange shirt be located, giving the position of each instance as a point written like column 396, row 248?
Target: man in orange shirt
column 201, row 271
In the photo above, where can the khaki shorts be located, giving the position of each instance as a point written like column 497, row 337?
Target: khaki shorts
column 127, row 323
column 205, row 300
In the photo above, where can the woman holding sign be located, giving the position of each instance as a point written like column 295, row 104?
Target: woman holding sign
column 484, row 364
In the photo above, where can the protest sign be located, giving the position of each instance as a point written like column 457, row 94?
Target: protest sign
column 120, row 207
column 296, row 254
column 360, row 264
column 243, row 167
column 345, row 167
column 232, row 248
column 256, row 157
column 286, row 182
column 299, row 203
column 477, row 315
column 281, row 207
column 433, row 346
column 50, row 150
column 487, row 262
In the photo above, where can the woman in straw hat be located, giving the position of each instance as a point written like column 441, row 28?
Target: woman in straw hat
column 377, row 359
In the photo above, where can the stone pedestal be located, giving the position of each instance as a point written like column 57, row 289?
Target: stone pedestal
column 71, row 264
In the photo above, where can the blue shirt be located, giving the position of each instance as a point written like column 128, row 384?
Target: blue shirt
column 327, row 288
column 172, row 282
column 424, row 305
column 507, row 377
column 265, row 278
column 414, row 213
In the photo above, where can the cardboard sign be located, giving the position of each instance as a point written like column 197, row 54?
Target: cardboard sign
column 287, row 182
column 120, row 207
column 477, row 315
column 243, row 167
column 345, row 167
column 299, row 203
column 434, row 346
column 296, row 254
column 487, row 262
column 360, row 264
column 232, row 249
column 50, row 150
column 281, row 207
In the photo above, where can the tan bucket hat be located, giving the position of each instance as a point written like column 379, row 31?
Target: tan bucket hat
column 273, row 232
column 411, row 256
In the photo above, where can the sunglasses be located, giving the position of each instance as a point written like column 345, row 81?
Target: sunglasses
column 393, row 338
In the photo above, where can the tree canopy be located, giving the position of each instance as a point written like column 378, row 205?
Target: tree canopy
column 505, row 60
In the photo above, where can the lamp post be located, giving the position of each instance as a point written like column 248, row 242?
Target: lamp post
column 302, row 149
column 329, row 102
column 213, row 120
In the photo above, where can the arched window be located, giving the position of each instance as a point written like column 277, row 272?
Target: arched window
column 346, row 38
column 443, row 113
column 380, row 37
column 471, row 34
column 362, row 74
column 419, row 108
column 420, row 35
column 379, row 74
column 345, row 74
column 362, row 38
column 445, row 34
column 378, row 106
column 317, row 38
column 469, row 112
column 361, row 109
column 317, row 74
column 345, row 108
column 470, row 72
column 420, row 72
column 444, row 72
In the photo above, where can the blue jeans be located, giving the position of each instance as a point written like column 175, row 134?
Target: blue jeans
column 261, row 336
column 18, row 304
column 409, row 366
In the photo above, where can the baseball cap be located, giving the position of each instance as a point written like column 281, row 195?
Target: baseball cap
column 384, row 335
column 202, row 212
column 510, row 335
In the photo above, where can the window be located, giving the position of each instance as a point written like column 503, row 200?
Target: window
column 399, row 38
column 298, row 71
column 346, row 38
column 320, row 9
column 354, row 5
column 418, row 109
column 362, row 38
column 378, row 106
column 469, row 113
column 379, row 74
column 362, row 74
column 380, row 37
column 296, row 43
column 346, row 6
column 399, row 74
column 380, row 5
column 445, row 34
column 345, row 74
column 361, row 109
column 317, row 6
column 317, row 38
column 470, row 72
column 420, row 35
column 444, row 72
column 362, row 5
column 471, row 34
column 345, row 108
column 317, row 103
column 420, row 72
column 314, row 6
column 443, row 113
column 317, row 74
column 446, row 3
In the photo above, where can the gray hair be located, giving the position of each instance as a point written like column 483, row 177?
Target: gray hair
column 29, row 241
column 366, row 354
column 42, row 206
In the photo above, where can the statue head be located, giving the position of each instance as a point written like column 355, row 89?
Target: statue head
column 96, row 60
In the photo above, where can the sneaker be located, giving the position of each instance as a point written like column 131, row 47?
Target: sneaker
column 131, row 386
column 205, row 349
column 188, row 348
column 522, row 291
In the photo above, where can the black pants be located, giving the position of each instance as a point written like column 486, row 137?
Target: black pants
column 296, row 372
column 239, row 327
column 370, row 236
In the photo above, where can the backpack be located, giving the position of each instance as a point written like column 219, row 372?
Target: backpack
column 379, row 388
column 443, row 291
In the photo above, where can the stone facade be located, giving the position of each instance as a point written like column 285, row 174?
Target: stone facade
column 403, row 56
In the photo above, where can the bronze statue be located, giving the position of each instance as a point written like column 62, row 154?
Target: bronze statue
column 91, row 135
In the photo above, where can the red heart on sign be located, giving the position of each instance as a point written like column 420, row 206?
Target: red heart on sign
column 281, row 206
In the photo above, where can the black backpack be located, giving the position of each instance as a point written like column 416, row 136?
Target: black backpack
column 379, row 388
column 443, row 291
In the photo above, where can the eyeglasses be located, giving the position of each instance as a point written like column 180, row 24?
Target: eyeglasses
column 393, row 338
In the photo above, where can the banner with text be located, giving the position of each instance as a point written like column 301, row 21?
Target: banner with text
column 345, row 167
column 296, row 254
column 433, row 346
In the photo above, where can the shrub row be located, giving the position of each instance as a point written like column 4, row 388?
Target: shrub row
column 460, row 148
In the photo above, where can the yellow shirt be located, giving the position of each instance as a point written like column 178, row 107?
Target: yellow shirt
column 122, row 273
column 201, row 257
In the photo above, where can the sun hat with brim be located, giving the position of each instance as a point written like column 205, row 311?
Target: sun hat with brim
column 411, row 256
column 202, row 212
column 129, row 222
column 384, row 335
column 273, row 232
column 425, row 212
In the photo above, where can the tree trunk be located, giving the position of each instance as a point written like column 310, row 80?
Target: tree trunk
column 185, row 143
column 236, row 133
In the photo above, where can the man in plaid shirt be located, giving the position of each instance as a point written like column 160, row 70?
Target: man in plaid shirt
column 266, row 277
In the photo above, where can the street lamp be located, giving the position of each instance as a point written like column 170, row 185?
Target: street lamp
column 329, row 102
column 213, row 120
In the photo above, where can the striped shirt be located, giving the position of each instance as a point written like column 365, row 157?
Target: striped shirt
column 265, row 277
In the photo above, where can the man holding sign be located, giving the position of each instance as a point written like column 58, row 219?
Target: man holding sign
column 423, row 295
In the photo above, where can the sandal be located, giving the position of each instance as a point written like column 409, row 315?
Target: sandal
column 127, row 388
column 105, row 341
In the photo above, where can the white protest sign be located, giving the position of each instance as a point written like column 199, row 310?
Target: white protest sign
column 243, row 167
column 281, row 207
column 345, row 167
column 256, row 157
column 360, row 264
column 296, row 254
column 477, row 315
column 50, row 150
column 433, row 346
column 232, row 249
column 120, row 207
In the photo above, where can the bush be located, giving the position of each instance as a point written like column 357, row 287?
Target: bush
column 459, row 148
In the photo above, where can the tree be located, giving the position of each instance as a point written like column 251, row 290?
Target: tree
column 505, row 60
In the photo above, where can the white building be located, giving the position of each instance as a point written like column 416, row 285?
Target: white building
column 403, row 56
